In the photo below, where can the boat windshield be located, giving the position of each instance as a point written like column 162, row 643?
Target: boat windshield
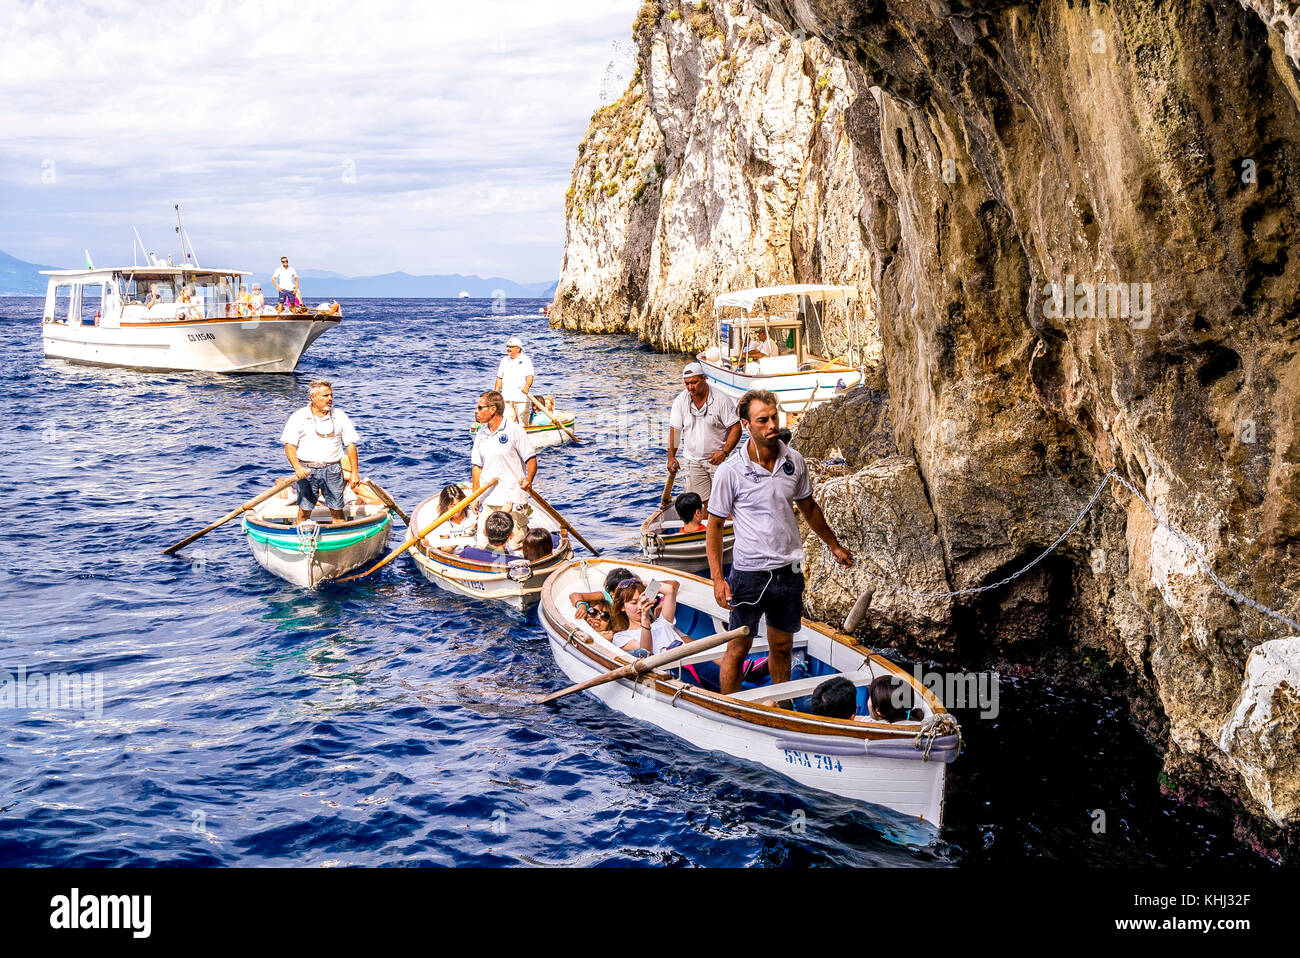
column 136, row 288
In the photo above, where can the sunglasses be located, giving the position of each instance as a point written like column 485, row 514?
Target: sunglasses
column 598, row 614
column 628, row 582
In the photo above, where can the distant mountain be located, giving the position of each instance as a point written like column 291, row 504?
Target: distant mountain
column 317, row 284
column 19, row 278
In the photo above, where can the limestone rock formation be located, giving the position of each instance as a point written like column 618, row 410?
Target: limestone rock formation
column 1071, row 224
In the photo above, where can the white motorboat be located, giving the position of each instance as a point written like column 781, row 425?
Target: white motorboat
column 164, row 317
column 901, row 765
column 800, row 379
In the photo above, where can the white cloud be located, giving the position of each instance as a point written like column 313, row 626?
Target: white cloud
column 460, row 123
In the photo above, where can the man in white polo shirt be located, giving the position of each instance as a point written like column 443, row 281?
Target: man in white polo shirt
column 502, row 451
column 515, row 380
column 755, row 488
column 704, row 420
column 314, row 441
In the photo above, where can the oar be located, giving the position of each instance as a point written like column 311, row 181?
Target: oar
column 551, row 416
column 282, row 484
column 463, row 504
column 667, row 497
column 651, row 662
column 386, row 499
column 562, row 521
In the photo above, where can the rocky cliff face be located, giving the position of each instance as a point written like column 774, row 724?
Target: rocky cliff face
column 1071, row 225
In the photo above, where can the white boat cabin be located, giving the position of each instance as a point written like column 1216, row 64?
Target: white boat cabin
column 740, row 348
column 147, row 294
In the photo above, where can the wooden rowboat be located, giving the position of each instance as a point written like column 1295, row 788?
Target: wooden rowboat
column 477, row 573
column 663, row 543
column 319, row 550
column 542, row 432
column 901, row 766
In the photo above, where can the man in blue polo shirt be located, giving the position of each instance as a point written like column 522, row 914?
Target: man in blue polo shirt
column 755, row 488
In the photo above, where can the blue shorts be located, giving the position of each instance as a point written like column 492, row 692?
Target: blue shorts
column 327, row 479
column 287, row 294
column 777, row 594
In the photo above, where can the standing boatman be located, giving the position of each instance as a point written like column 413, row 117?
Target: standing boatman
column 515, row 381
column 756, row 487
column 705, row 421
column 314, row 439
column 502, row 451
column 286, row 281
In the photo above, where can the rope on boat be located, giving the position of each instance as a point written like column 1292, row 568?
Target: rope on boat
column 308, row 537
column 937, row 726
column 1187, row 542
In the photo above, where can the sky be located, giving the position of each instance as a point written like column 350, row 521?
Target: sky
column 357, row 137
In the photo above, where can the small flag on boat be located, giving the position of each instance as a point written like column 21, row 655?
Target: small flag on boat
column 89, row 264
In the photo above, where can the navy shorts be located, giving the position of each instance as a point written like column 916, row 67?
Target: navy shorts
column 287, row 294
column 326, row 479
column 777, row 594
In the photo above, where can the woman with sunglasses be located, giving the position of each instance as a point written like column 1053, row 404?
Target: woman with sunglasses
column 643, row 623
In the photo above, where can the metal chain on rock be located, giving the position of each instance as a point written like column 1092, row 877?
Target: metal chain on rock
column 1192, row 547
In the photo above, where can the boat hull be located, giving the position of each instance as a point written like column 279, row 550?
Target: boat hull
column 662, row 543
column 874, row 763
column 270, row 344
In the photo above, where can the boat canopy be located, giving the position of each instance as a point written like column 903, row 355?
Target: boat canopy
column 96, row 274
column 745, row 298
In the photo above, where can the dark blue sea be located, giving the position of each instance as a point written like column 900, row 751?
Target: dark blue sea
column 246, row 722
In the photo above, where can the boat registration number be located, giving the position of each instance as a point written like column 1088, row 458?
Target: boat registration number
column 200, row 337
column 812, row 760
column 474, row 585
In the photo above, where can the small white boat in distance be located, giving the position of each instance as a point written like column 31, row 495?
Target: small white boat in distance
column 174, row 318
column 900, row 765
column 800, row 379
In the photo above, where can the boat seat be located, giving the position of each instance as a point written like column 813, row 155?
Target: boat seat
column 475, row 554
column 800, row 687
column 709, row 655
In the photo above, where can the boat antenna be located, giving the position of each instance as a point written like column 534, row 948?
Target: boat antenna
column 180, row 231
column 143, row 248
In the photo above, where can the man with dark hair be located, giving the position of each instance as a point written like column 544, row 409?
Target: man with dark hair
column 756, row 488
column 690, row 509
column 498, row 528
column 502, row 451
column 835, row 698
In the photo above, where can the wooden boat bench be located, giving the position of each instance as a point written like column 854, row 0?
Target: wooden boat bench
column 710, row 655
column 799, row 687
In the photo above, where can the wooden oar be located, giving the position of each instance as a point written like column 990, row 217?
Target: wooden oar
column 282, row 484
column 386, row 499
column 667, row 497
column 562, row 521
column 552, row 417
column 651, row 662
column 458, row 507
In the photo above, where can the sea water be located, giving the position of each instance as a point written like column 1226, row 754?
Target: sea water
column 242, row 721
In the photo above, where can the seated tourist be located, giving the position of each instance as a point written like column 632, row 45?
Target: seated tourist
column 154, row 297
column 888, row 701
column 537, row 544
column 548, row 402
column 596, row 614
column 497, row 529
column 690, row 508
column 837, row 697
column 257, row 302
column 761, row 345
column 606, row 595
column 462, row 523
column 643, row 624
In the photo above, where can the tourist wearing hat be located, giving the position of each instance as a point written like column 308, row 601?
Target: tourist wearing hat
column 704, row 422
column 515, row 380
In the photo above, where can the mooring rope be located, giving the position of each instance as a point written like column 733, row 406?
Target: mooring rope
column 1188, row 543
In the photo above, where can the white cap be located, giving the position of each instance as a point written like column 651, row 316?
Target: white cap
column 693, row 369
column 514, row 341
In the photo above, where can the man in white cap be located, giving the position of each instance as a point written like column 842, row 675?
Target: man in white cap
column 515, row 380
column 704, row 421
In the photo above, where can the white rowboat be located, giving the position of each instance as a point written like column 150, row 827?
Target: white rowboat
column 663, row 543
column 901, row 766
